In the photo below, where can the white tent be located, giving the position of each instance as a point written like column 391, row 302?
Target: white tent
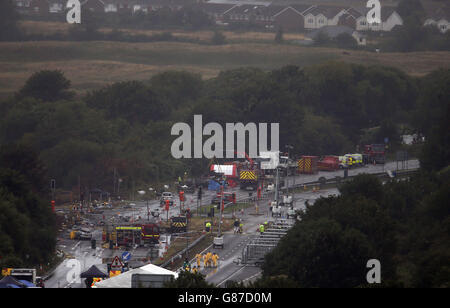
column 124, row 280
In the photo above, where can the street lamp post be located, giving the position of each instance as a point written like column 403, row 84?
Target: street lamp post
column 142, row 192
column 220, row 206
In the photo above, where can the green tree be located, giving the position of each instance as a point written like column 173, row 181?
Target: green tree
column 345, row 40
column 9, row 18
column 177, row 88
column 131, row 100
column 279, row 36
column 26, row 162
column 365, row 185
column 407, row 8
column 47, row 85
column 321, row 254
column 189, row 280
column 26, row 222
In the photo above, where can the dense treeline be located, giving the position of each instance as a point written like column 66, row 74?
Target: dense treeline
column 405, row 225
column 323, row 109
column 47, row 131
column 27, row 228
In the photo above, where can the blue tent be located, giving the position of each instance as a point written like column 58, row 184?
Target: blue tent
column 10, row 282
column 27, row 283
column 214, row 185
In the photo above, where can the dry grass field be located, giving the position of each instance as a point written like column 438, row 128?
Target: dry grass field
column 90, row 65
column 38, row 27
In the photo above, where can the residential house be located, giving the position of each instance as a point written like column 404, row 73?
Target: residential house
column 215, row 11
column 39, row 7
column 245, row 13
column 290, row 18
column 57, row 6
column 320, row 16
column 349, row 18
column 440, row 18
column 111, row 6
column 23, row 6
column 389, row 19
column 97, row 6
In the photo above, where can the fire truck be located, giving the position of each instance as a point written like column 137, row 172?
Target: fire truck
column 127, row 235
column 374, row 154
column 246, row 174
column 328, row 163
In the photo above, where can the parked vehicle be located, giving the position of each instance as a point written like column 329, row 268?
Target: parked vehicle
column 276, row 209
column 84, row 234
column 228, row 197
column 286, row 201
column 374, row 154
column 328, row 163
column 291, row 213
column 166, row 196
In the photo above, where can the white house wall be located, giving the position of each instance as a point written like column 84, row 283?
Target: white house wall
column 392, row 21
column 443, row 25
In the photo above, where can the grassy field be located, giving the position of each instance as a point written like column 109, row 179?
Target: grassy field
column 49, row 28
column 90, row 65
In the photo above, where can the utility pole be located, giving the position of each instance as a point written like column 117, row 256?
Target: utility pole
column 221, row 201
column 114, row 181
column 79, row 189
column 148, row 213
column 276, row 187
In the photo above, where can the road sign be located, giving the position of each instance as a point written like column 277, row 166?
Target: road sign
column 6, row 271
column 126, row 256
column 116, row 264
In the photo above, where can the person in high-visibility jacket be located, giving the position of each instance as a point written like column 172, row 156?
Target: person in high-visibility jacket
column 208, row 227
column 199, row 259
column 186, row 265
column 194, row 270
column 215, row 257
column 261, row 228
column 350, row 161
column 209, row 259
column 205, row 260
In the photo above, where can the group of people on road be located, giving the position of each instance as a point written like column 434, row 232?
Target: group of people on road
column 238, row 226
column 263, row 227
column 210, row 260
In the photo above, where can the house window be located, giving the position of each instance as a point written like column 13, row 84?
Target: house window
column 310, row 20
column 363, row 23
column 321, row 21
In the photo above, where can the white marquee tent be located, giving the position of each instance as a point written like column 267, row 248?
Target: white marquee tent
column 124, row 280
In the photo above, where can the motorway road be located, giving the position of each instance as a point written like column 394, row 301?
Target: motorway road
column 228, row 268
column 233, row 243
column 66, row 275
